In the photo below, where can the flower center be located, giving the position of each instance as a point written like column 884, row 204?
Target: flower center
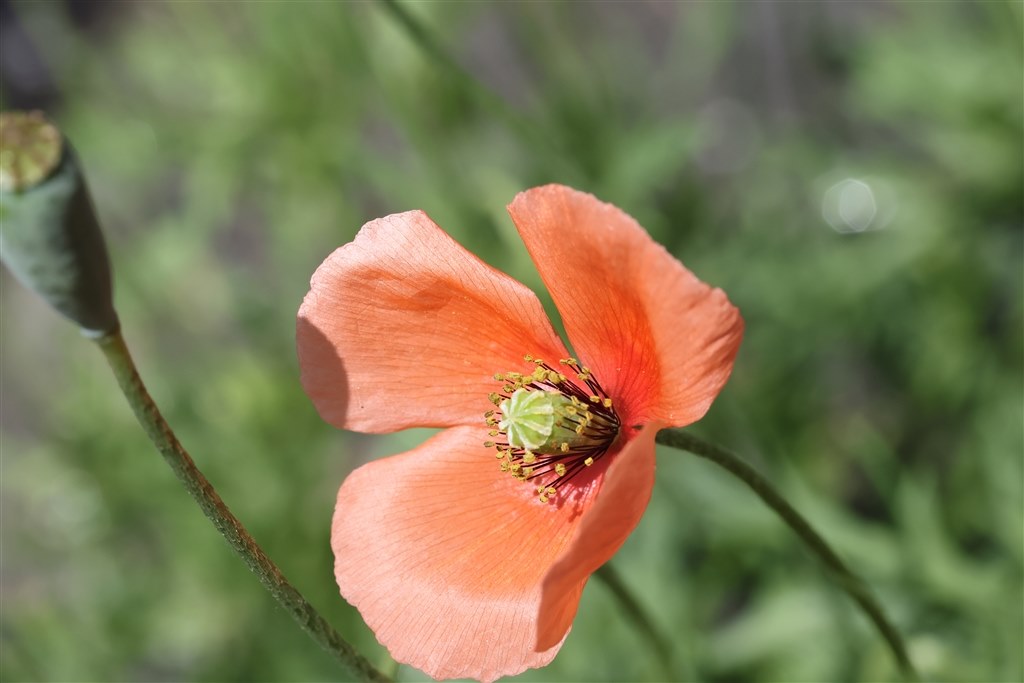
column 550, row 428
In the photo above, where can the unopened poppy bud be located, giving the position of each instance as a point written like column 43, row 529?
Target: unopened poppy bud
column 50, row 238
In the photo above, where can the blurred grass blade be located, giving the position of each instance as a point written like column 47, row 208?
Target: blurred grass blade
column 485, row 97
column 635, row 611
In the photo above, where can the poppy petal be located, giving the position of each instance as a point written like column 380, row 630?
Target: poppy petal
column 444, row 556
column 405, row 328
column 660, row 341
column 624, row 495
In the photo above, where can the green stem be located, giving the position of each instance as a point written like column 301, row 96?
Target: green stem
column 635, row 611
column 847, row 580
column 484, row 96
column 148, row 415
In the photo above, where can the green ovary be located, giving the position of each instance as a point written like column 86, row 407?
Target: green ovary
column 532, row 420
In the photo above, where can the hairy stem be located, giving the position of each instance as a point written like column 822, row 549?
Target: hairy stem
column 846, row 579
column 148, row 415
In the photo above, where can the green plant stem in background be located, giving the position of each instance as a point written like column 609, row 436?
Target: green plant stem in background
column 484, row 96
column 425, row 42
column 635, row 611
column 846, row 579
column 120, row 360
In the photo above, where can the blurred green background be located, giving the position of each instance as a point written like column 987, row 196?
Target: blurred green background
column 850, row 173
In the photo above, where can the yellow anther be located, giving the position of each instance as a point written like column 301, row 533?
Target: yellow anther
column 543, row 424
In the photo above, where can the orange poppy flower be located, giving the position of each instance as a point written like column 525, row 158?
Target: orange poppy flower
column 468, row 554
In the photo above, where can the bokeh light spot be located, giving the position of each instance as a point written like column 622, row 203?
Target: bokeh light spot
column 850, row 206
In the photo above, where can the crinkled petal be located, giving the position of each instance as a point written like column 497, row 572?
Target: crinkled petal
column 444, row 556
column 404, row 328
column 607, row 523
column 660, row 341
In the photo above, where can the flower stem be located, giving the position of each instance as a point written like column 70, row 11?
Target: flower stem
column 636, row 612
column 148, row 415
column 847, row 580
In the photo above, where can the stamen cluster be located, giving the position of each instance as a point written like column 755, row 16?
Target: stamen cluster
column 549, row 427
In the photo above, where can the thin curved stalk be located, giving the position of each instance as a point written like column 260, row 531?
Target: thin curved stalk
column 846, row 579
column 635, row 611
column 485, row 97
column 148, row 415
